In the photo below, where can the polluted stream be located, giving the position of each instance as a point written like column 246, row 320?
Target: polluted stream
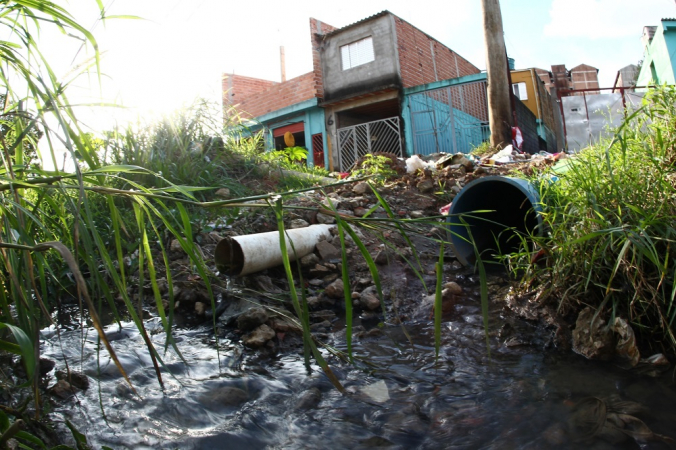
column 524, row 395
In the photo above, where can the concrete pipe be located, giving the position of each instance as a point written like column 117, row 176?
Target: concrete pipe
column 242, row 255
column 513, row 207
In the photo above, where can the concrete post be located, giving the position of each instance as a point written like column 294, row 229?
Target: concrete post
column 499, row 108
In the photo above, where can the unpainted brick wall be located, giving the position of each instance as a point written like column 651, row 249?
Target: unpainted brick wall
column 278, row 96
column 419, row 54
column 317, row 31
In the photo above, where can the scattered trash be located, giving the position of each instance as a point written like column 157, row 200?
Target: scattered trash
column 517, row 138
column 503, row 156
column 611, row 419
column 626, row 348
column 414, row 163
column 377, row 391
column 445, row 209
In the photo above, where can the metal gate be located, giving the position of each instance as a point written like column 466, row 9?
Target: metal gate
column 592, row 117
column 453, row 119
column 356, row 141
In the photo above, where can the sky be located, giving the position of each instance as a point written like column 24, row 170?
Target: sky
column 180, row 49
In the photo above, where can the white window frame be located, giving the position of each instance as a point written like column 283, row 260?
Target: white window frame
column 520, row 90
column 357, row 53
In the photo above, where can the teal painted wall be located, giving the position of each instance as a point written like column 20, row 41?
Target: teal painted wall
column 307, row 112
column 659, row 60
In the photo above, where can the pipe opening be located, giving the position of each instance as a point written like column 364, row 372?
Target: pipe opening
column 229, row 257
column 514, row 210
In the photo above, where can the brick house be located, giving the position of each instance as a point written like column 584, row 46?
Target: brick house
column 579, row 77
column 379, row 84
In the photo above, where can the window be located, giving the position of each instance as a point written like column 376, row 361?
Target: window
column 520, row 91
column 357, row 53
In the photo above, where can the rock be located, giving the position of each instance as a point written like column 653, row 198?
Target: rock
column 369, row 301
column 252, row 318
column 325, row 218
column 381, row 257
column 324, row 326
column 453, row 287
column 329, row 278
column 319, row 270
column 327, row 251
column 224, row 396
column 265, row 284
column 298, row 223
column 313, row 302
column 360, row 211
column 258, row 337
column 62, row 389
column 597, row 342
column 309, row 260
column 74, row 378
column 200, row 308
column 316, row 282
column 555, row 434
column 308, row 399
column 223, row 193
column 417, row 214
column 46, row 366
column 335, row 289
column 175, row 246
column 281, row 325
column 360, row 188
column 426, row 186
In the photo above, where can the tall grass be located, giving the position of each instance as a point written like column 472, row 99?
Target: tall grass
column 611, row 220
column 42, row 211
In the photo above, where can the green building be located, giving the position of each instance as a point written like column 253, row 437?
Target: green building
column 659, row 65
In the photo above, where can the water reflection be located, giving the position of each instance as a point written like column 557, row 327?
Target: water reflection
column 398, row 394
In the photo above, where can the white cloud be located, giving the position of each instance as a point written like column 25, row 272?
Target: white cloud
column 598, row 19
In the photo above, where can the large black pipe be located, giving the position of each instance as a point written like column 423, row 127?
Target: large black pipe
column 495, row 210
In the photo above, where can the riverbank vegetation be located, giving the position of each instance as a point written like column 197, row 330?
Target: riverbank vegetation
column 609, row 236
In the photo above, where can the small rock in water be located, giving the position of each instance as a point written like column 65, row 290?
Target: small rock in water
column 200, row 308
column 252, row 318
column 453, row 288
column 224, row 396
column 259, row 337
column 308, row 399
column 369, row 301
column 62, row 389
column 76, row 379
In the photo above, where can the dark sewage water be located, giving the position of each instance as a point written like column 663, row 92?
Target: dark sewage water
column 398, row 395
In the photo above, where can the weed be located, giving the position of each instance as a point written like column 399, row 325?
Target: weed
column 610, row 220
column 376, row 166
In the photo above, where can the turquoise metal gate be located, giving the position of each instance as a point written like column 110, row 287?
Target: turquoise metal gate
column 451, row 119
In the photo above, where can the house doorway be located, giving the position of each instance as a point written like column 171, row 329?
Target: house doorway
column 368, row 129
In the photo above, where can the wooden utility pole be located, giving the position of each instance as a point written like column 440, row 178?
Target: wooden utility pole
column 499, row 107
